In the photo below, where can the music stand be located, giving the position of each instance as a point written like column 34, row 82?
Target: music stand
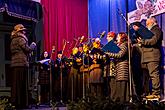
column 61, row 79
column 50, row 75
column 85, row 90
column 61, row 104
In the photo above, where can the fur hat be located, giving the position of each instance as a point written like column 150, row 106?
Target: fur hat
column 17, row 28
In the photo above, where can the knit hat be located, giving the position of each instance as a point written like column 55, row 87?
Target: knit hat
column 111, row 34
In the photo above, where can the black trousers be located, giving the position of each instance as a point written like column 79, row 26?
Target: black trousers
column 151, row 72
column 19, row 91
column 122, row 91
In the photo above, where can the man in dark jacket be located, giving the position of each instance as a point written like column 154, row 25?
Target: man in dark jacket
column 19, row 63
column 150, row 55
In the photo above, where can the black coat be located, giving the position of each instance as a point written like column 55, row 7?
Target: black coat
column 60, row 66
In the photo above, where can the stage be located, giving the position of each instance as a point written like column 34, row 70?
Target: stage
column 113, row 106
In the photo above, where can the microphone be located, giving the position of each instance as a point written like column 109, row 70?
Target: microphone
column 102, row 34
column 81, row 39
column 122, row 15
column 119, row 11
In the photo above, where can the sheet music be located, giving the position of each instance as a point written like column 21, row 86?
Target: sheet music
column 43, row 61
column 111, row 47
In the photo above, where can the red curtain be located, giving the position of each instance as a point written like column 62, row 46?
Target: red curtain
column 64, row 20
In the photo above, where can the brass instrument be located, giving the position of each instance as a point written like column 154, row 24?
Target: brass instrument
column 69, row 62
column 65, row 42
column 74, row 51
column 96, row 45
column 85, row 48
column 78, row 60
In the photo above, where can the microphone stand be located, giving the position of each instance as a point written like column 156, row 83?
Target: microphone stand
column 83, row 77
column 85, row 89
column 50, row 75
column 88, row 74
column 61, row 104
column 129, row 55
column 83, row 73
column 61, row 81
column 84, row 83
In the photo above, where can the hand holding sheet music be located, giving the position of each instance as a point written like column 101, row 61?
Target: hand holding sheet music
column 140, row 32
column 144, row 32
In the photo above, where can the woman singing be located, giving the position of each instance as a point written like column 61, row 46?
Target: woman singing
column 121, row 59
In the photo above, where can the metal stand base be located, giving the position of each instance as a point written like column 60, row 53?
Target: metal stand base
column 60, row 106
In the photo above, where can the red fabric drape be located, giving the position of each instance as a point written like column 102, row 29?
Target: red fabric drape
column 64, row 20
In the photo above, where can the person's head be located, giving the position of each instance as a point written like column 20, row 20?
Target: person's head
column 97, row 43
column 80, row 47
column 150, row 22
column 122, row 37
column 136, row 25
column 59, row 54
column 45, row 55
column 111, row 36
column 19, row 28
column 97, row 40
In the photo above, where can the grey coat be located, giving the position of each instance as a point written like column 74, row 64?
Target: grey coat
column 150, row 49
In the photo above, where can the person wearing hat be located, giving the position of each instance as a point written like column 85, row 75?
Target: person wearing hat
column 111, row 36
column 20, row 51
column 109, row 67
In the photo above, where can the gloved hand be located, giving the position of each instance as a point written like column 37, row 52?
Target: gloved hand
column 33, row 45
